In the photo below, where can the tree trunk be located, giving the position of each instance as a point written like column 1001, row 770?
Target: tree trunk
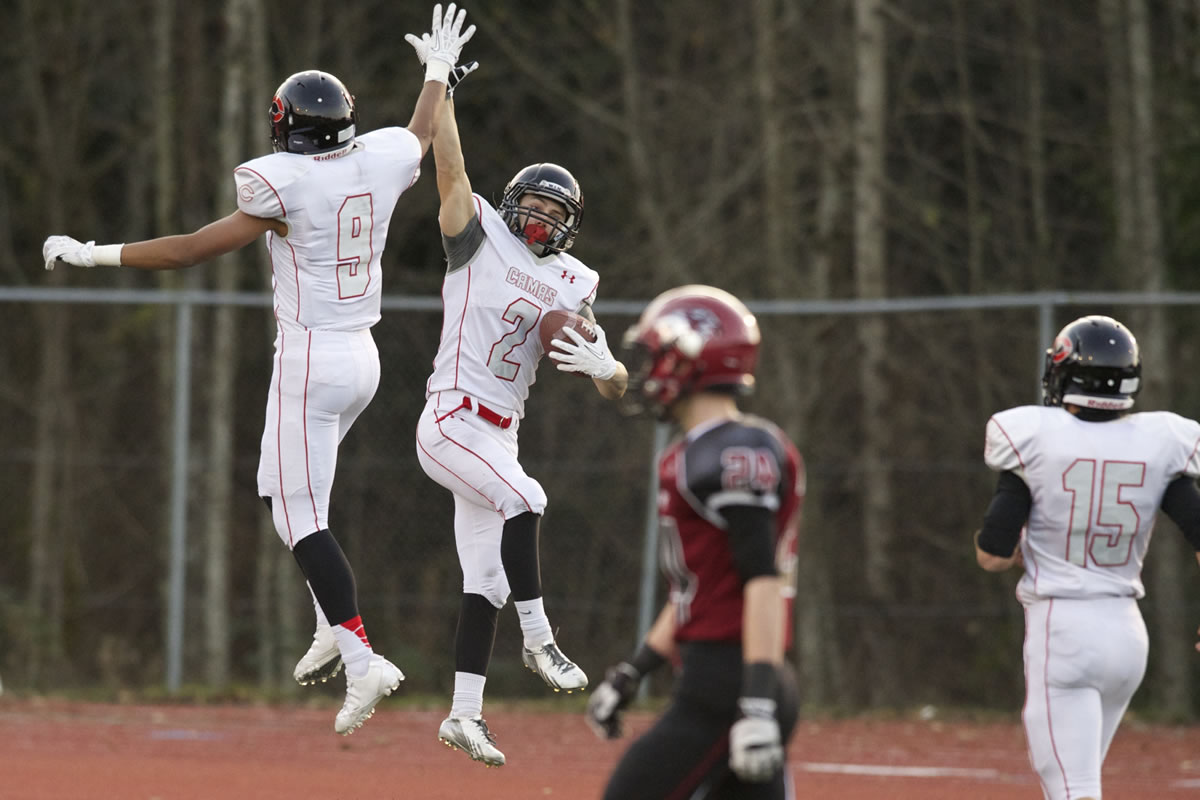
column 871, row 281
column 1172, row 622
column 1044, row 270
column 648, row 201
column 223, row 365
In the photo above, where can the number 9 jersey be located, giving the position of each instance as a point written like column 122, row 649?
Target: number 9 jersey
column 326, row 273
column 1096, row 488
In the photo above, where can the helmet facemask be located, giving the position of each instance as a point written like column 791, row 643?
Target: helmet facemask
column 542, row 233
column 549, row 235
column 662, row 366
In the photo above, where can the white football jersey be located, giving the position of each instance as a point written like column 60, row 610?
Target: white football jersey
column 490, row 346
column 326, row 272
column 1096, row 489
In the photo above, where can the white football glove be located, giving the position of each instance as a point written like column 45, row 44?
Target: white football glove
column 755, row 747
column 456, row 75
column 593, row 359
column 440, row 49
column 66, row 249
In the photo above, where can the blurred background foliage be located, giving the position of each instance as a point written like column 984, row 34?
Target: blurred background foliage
column 781, row 149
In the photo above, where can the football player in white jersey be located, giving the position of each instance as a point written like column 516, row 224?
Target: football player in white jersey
column 1081, row 479
column 324, row 200
column 506, row 268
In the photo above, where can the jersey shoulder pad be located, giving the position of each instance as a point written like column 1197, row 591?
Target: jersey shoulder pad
column 736, row 464
column 261, row 183
column 486, row 210
column 1010, row 433
column 584, row 274
column 1181, row 434
column 397, row 141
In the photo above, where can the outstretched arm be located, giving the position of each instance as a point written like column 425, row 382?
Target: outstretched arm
column 438, row 51
column 454, row 188
column 166, row 252
column 428, row 113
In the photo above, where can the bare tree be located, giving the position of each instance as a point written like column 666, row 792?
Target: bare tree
column 870, row 280
column 1167, row 558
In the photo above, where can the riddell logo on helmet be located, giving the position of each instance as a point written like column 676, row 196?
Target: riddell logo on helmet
column 543, row 184
column 1062, row 349
column 1107, row 405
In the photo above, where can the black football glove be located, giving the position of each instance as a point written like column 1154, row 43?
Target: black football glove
column 610, row 698
column 458, row 73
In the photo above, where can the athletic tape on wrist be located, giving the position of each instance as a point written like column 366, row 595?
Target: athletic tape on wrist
column 107, row 255
column 438, row 70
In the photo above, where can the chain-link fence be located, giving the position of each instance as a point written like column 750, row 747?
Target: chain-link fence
column 119, row 569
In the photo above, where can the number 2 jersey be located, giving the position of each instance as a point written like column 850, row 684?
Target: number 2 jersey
column 743, row 462
column 489, row 345
column 1096, row 488
column 326, row 273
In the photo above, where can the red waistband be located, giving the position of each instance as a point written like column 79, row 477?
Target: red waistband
column 479, row 408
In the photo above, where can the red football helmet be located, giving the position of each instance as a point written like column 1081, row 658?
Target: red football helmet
column 689, row 339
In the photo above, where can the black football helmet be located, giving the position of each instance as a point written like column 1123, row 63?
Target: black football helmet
column 689, row 339
column 555, row 183
column 312, row 112
column 1095, row 364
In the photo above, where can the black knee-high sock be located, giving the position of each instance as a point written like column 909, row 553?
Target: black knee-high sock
column 476, row 634
column 519, row 554
column 329, row 574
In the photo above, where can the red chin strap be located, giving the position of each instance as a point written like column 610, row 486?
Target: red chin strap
column 535, row 234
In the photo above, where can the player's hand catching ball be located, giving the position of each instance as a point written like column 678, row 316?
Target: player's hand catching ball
column 755, row 747
column 593, row 359
column 608, row 699
column 71, row 251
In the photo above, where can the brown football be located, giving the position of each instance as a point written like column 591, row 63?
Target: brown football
column 552, row 324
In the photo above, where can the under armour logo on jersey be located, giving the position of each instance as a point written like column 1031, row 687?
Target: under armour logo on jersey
column 571, row 278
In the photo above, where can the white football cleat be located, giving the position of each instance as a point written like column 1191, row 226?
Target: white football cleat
column 322, row 661
column 559, row 672
column 471, row 735
column 382, row 678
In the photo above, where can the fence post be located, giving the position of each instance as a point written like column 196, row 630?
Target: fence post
column 177, row 560
column 1045, row 336
column 646, row 595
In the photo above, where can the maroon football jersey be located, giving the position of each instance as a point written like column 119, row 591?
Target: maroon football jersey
column 744, row 462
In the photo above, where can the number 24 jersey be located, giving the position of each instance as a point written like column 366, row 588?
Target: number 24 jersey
column 1096, row 489
column 743, row 462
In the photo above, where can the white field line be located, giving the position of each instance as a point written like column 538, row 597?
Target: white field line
column 894, row 771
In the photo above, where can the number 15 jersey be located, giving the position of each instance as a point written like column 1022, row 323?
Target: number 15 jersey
column 1096, row 489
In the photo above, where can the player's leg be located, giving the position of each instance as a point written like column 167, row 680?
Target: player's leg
column 684, row 754
column 313, row 385
column 477, row 537
column 478, row 461
column 1062, row 714
column 1122, row 649
column 323, row 660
